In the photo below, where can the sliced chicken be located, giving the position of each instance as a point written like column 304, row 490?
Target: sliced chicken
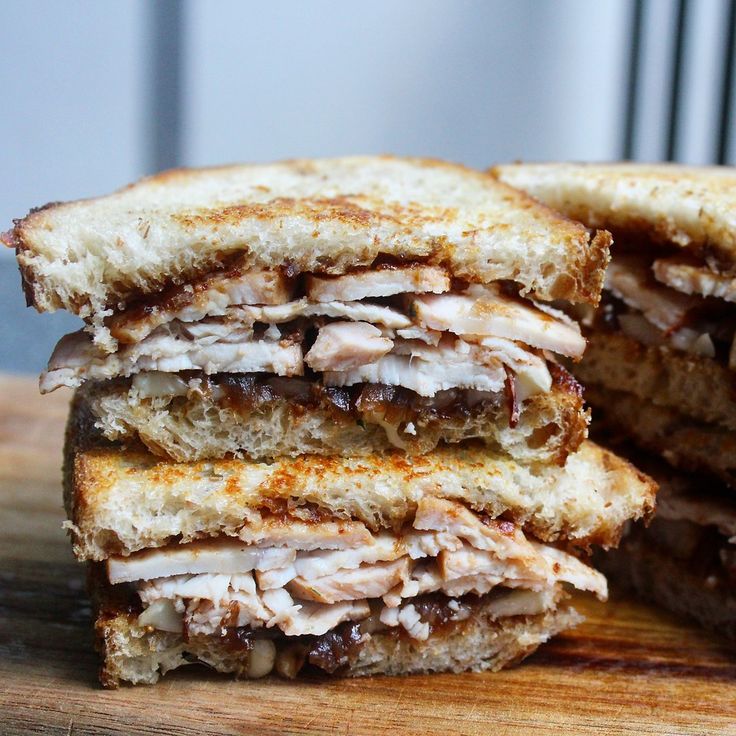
column 530, row 371
column 637, row 326
column 356, row 311
column 412, row 622
column 422, row 376
column 367, row 581
column 157, row 383
column 208, row 297
column 569, row 569
column 523, row 603
column 483, row 311
column 343, row 346
column 275, row 578
column 690, row 277
column 317, row 618
column 378, row 282
column 295, row 582
column 205, row 585
column 307, row 535
column 224, row 556
column 76, row 359
column 431, row 337
column 318, row 563
column 629, row 278
column 531, row 571
column 429, row 544
column 503, row 538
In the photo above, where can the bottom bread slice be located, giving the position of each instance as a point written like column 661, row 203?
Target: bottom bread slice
column 482, row 641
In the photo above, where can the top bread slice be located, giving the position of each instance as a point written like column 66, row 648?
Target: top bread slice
column 324, row 216
column 693, row 207
column 120, row 501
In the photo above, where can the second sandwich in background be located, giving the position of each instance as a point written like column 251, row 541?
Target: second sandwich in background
column 321, row 420
column 660, row 369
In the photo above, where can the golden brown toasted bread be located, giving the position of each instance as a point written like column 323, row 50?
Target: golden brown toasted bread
column 322, row 216
column 688, row 206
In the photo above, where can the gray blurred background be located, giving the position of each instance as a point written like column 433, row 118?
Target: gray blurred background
column 96, row 94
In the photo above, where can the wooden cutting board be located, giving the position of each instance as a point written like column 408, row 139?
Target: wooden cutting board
column 628, row 670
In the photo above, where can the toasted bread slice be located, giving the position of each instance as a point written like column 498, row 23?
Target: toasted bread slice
column 484, row 641
column 122, row 501
column 688, row 206
column 694, row 386
column 321, row 216
column 683, row 442
column 550, row 425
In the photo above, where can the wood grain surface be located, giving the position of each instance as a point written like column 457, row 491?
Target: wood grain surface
column 628, row 670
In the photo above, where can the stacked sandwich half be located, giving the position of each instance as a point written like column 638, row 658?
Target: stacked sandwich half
column 660, row 366
column 320, row 421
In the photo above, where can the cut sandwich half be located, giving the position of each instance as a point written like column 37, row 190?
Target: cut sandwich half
column 665, row 332
column 660, row 370
column 340, row 306
column 454, row 560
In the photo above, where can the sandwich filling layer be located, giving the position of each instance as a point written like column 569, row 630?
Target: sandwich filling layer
column 677, row 301
column 298, row 578
column 406, row 325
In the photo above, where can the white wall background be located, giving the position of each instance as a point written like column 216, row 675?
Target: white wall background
column 476, row 81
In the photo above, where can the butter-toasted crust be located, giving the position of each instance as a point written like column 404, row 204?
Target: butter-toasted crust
column 326, row 216
column 688, row 206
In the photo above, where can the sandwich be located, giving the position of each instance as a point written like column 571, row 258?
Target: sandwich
column 336, row 307
column 661, row 361
column 321, row 419
column 454, row 560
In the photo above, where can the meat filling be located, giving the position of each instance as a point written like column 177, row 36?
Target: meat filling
column 405, row 325
column 673, row 301
column 284, row 583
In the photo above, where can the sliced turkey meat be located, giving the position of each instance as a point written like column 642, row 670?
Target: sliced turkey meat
column 224, row 556
column 77, row 359
column 448, row 549
column 342, row 346
column 483, row 311
column 368, row 581
column 629, row 279
column 317, row 619
column 356, row 311
column 208, row 297
column 320, row 562
column 307, row 535
column 690, row 277
column 569, row 569
column 426, row 377
column 379, row 282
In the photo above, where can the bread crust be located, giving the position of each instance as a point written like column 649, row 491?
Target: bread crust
column 120, row 501
column 688, row 206
column 325, row 216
